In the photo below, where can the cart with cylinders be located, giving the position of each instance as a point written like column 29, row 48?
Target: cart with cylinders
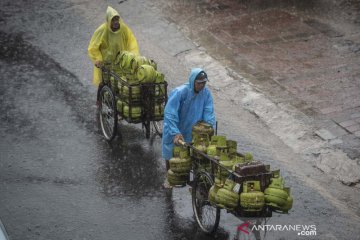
column 222, row 178
column 132, row 90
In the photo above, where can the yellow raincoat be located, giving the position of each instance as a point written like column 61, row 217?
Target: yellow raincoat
column 105, row 44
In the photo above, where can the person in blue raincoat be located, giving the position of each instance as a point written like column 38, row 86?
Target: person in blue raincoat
column 187, row 104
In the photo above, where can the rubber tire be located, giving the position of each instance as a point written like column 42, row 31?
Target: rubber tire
column 158, row 125
column 204, row 180
column 110, row 104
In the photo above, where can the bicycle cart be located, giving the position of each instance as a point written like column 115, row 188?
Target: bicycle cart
column 207, row 172
column 135, row 103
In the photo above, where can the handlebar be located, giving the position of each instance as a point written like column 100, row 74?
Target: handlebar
column 103, row 68
column 182, row 143
column 108, row 71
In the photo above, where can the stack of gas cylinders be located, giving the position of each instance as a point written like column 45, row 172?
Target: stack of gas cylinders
column 240, row 182
column 136, row 71
column 180, row 166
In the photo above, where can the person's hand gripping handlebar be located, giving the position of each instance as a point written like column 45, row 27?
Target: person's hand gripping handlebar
column 182, row 143
column 178, row 137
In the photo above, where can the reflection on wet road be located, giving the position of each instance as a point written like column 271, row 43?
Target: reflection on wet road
column 129, row 168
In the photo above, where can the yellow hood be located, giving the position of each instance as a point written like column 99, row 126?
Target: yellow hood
column 106, row 44
column 110, row 13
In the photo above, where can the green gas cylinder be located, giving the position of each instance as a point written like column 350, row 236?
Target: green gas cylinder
column 251, row 198
column 212, row 194
column 180, row 152
column 232, row 145
column 226, row 197
column 180, row 165
column 176, row 179
column 211, row 150
column 202, row 128
column 278, row 196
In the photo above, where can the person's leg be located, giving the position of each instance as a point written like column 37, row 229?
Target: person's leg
column 166, row 183
column 167, row 149
column 167, row 164
column 101, row 85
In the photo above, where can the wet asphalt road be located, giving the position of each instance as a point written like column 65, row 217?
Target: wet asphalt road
column 60, row 180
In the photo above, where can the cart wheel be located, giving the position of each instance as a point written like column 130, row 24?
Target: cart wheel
column 108, row 113
column 206, row 215
column 158, row 125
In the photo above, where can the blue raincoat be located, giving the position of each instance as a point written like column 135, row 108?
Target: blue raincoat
column 183, row 110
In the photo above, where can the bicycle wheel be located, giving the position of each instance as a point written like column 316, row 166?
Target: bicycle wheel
column 158, row 125
column 206, row 215
column 108, row 113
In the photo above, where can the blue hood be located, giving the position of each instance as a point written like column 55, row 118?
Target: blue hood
column 192, row 76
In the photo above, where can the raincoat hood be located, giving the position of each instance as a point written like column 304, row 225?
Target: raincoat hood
column 110, row 14
column 194, row 72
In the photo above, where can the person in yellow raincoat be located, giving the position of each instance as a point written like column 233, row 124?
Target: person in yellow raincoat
column 108, row 40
